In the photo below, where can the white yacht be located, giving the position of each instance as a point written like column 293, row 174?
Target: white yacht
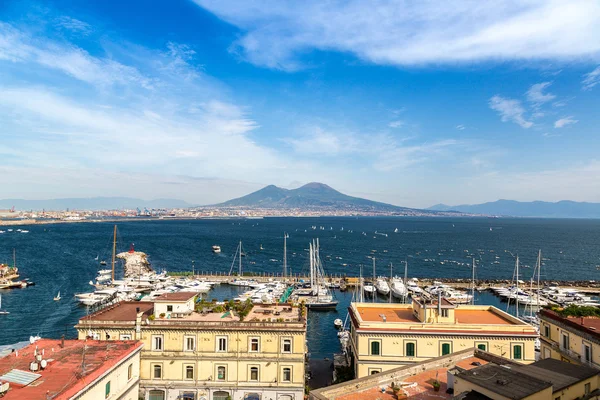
column 382, row 287
column 399, row 290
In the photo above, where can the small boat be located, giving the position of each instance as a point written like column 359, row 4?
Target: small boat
column 98, row 256
column 396, row 230
column 338, row 323
column 382, row 287
column 261, row 247
column 216, row 249
column 102, row 262
column 2, row 312
column 24, row 231
column 57, row 298
column 369, row 289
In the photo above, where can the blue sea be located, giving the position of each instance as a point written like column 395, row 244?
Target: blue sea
column 61, row 257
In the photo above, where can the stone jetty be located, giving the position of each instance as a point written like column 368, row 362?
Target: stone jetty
column 136, row 263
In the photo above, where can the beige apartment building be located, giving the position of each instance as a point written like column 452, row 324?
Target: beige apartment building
column 386, row 336
column 571, row 339
column 249, row 352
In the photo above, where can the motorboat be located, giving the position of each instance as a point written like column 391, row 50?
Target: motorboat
column 369, row 289
column 399, row 290
column 216, row 249
column 338, row 323
column 382, row 287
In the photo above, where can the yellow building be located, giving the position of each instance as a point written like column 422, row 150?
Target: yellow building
column 252, row 352
column 386, row 336
column 72, row 370
column 571, row 339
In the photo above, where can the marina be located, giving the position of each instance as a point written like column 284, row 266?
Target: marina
column 180, row 256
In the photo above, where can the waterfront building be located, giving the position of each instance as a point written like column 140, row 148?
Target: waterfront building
column 209, row 351
column 72, row 370
column 571, row 339
column 471, row 374
column 385, row 336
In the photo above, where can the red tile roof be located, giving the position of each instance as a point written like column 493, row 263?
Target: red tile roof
column 63, row 376
column 589, row 325
column 123, row 311
column 178, row 296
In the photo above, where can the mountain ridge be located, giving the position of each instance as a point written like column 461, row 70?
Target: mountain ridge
column 311, row 195
column 538, row 208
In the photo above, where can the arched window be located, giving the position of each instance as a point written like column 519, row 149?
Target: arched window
column 254, row 373
column 252, row 396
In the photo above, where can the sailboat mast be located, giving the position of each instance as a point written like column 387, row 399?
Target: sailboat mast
column 240, row 262
column 360, row 282
column 391, row 283
column 14, row 257
column 312, row 279
column 404, row 300
column 114, row 252
column 517, row 292
column 539, row 267
column 373, row 284
column 473, row 282
column 284, row 254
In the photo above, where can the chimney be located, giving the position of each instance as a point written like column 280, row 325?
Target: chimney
column 62, row 341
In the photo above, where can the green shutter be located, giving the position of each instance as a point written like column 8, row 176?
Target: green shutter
column 107, row 391
column 481, row 346
column 517, row 352
column 445, row 348
column 410, row 349
column 374, row 348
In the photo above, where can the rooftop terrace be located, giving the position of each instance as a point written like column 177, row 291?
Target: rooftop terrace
column 64, row 376
column 125, row 313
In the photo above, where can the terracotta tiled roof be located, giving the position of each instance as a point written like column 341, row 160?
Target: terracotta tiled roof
column 65, row 375
column 178, row 296
column 124, row 311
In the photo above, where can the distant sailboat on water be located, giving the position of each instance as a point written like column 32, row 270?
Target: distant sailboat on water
column 2, row 312
column 57, row 298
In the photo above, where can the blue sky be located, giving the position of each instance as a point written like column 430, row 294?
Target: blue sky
column 408, row 103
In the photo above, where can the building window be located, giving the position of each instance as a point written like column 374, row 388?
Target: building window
column 187, row 396
column 587, row 388
column 374, row 371
column 410, row 349
column 444, row 312
column 125, row 337
column 482, row 346
column 254, row 345
column 547, row 331
column 157, row 342
column 221, row 343
column 107, row 390
column 189, row 372
column 130, row 371
column 254, row 374
column 517, row 352
column 169, row 308
column 287, row 375
column 252, row 396
column 375, row 347
column 221, row 395
column 565, row 342
column 156, row 371
column 286, row 346
column 587, row 353
column 156, row 395
column 190, row 343
column 446, row 349
column 221, row 373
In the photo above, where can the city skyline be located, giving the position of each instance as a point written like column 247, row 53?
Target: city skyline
column 206, row 101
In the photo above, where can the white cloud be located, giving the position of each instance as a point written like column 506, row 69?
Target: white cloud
column 565, row 121
column 460, row 127
column 276, row 34
column 510, row 110
column 536, row 94
column 591, row 79
column 396, row 124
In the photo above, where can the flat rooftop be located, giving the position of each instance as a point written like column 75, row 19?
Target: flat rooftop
column 177, row 296
column 403, row 314
column 64, row 377
column 418, row 387
column 126, row 311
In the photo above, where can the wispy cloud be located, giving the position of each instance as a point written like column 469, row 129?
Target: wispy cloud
column 460, row 127
column 396, row 124
column 591, row 79
column 74, row 25
column 510, row 110
column 565, row 121
column 536, row 94
column 277, row 34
